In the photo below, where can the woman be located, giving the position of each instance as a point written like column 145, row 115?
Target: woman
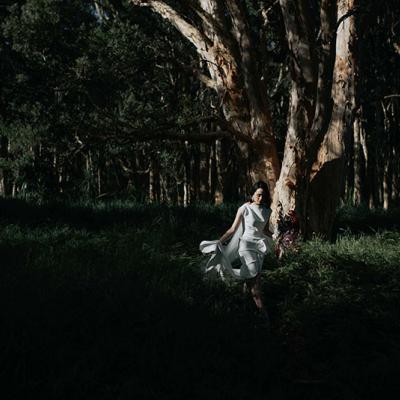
column 250, row 241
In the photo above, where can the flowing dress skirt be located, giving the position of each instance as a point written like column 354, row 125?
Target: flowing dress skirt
column 241, row 259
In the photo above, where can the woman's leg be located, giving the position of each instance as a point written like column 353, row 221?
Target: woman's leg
column 255, row 288
column 256, row 292
column 245, row 288
column 253, row 264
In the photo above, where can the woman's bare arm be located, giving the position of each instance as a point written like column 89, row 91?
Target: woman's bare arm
column 232, row 229
column 267, row 230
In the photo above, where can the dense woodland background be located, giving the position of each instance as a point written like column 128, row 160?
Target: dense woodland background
column 101, row 99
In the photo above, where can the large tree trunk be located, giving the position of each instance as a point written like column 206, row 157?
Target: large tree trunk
column 327, row 176
column 311, row 179
column 227, row 50
column 310, row 102
column 321, row 97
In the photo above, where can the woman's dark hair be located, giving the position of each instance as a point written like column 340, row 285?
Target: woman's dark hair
column 266, row 199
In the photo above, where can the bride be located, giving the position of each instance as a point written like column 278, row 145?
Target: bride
column 250, row 239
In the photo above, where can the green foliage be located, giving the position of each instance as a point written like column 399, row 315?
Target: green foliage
column 363, row 219
column 106, row 300
column 337, row 302
column 82, row 86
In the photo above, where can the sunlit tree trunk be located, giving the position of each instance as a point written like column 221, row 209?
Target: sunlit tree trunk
column 328, row 171
column 320, row 112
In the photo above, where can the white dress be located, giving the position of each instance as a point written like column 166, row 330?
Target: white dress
column 243, row 257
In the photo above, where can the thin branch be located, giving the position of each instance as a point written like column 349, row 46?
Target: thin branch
column 278, row 83
column 162, row 131
column 391, row 95
column 266, row 11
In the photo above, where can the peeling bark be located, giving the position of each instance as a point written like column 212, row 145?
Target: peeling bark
column 321, row 98
column 327, row 176
column 229, row 57
column 319, row 116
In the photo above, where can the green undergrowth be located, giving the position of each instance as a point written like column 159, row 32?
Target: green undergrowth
column 107, row 301
column 361, row 219
column 337, row 306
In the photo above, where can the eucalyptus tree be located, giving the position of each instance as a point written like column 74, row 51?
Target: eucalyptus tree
column 321, row 39
column 320, row 36
column 222, row 37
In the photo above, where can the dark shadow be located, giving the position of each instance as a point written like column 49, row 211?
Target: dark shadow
column 104, row 317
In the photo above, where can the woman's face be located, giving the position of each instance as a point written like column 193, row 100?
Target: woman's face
column 258, row 196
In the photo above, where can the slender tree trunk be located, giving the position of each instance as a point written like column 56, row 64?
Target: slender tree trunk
column 358, row 182
column 152, row 181
column 2, row 183
column 211, row 172
column 204, row 172
column 360, row 149
column 195, row 172
column 163, row 187
column 3, row 172
column 186, row 176
column 396, row 178
column 387, row 185
column 99, row 186
column 219, row 190
column 186, row 189
column 88, row 173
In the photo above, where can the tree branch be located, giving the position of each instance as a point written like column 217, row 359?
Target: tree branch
column 206, row 80
column 194, row 35
column 139, row 136
column 266, row 11
column 162, row 131
column 391, row 95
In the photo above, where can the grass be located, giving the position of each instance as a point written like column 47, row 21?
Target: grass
column 106, row 301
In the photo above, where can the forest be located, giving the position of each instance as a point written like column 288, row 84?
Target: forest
column 131, row 130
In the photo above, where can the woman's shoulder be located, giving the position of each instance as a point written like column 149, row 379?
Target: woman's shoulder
column 244, row 206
